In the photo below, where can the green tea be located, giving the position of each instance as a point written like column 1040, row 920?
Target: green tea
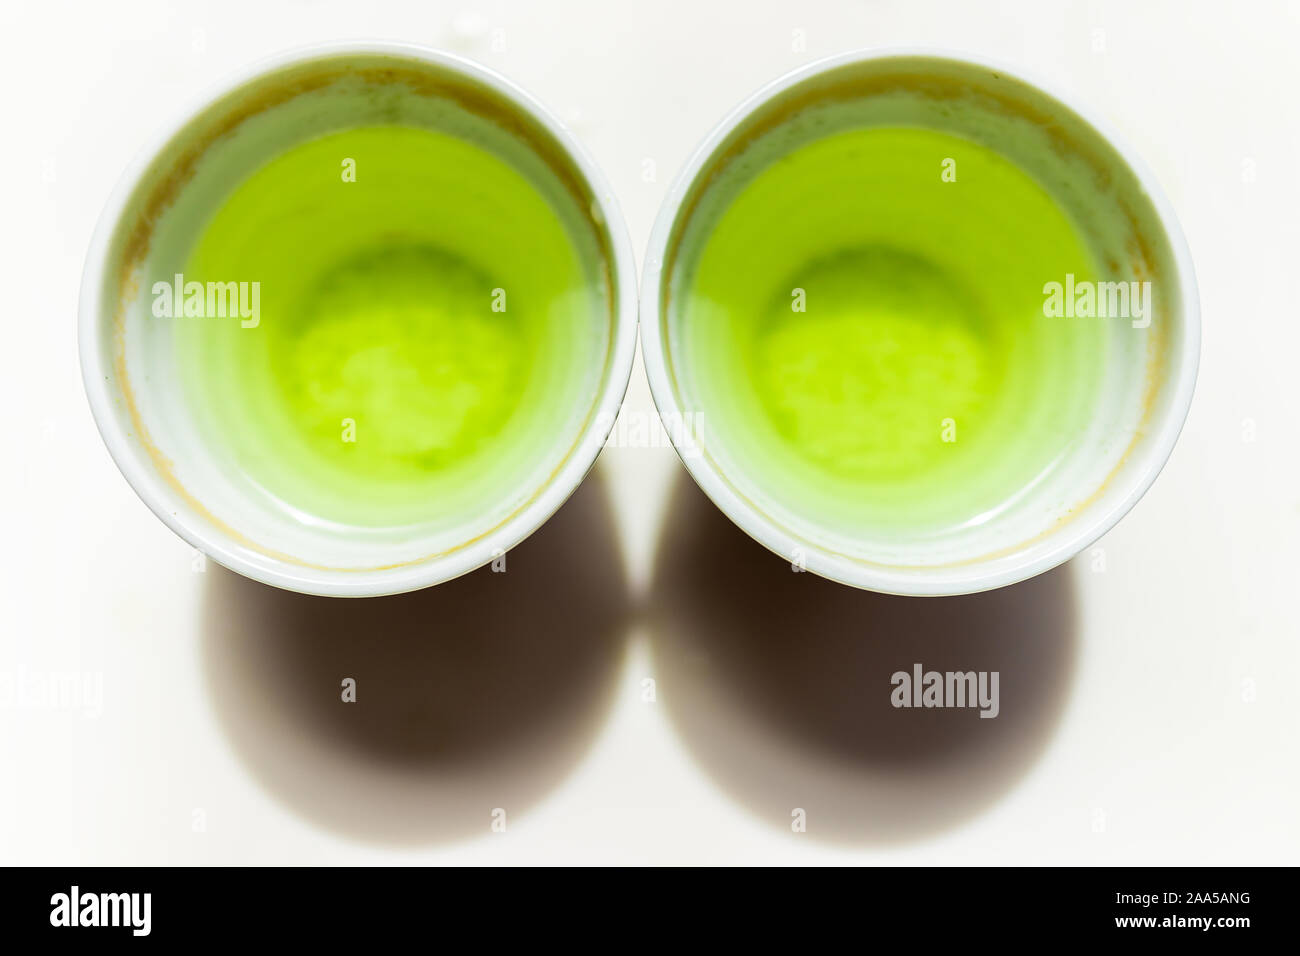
column 426, row 332
column 860, row 325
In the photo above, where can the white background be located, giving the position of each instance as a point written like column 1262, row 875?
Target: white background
column 1164, row 726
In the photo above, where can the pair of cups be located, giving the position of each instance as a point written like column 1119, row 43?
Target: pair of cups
column 1107, row 442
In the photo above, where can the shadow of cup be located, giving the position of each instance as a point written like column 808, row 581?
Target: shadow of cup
column 781, row 685
column 472, row 697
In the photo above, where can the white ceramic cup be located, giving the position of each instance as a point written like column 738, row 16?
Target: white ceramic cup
column 1150, row 377
column 159, row 205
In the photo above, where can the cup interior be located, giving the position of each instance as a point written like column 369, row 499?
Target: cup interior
column 408, row 321
column 851, row 297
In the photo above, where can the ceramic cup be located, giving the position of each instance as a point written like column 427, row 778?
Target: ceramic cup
column 141, row 389
column 750, row 245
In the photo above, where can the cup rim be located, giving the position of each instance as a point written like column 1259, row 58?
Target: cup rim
column 1056, row 546
column 218, row 543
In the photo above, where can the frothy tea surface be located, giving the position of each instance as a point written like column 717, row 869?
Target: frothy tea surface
column 427, row 335
column 860, row 327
